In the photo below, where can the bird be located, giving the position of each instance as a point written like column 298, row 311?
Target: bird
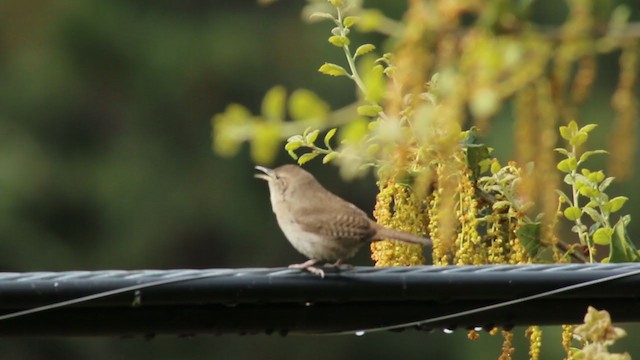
column 319, row 224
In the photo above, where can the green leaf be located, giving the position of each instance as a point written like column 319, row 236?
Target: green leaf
column 602, row 236
column 333, row 70
column 529, row 235
column 330, row 156
column 562, row 151
column 568, row 165
column 306, row 105
column 587, row 128
column 621, row 248
column 293, row 155
column 572, row 213
column 476, row 154
column 321, row 15
column 349, row 21
column 596, row 176
column 605, row 183
column 594, row 214
column 369, row 110
column 339, row 40
column 616, row 203
column 579, row 138
column 588, row 154
column 311, row 137
column 373, row 78
column 273, row 103
column 327, row 138
column 564, row 197
column 588, row 191
column 364, row 49
column 265, row 143
column 566, row 133
column 294, row 145
column 305, row 158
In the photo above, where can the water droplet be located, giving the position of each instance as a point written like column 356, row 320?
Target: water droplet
column 360, row 332
column 447, row 331
column 478, row 328
column 55, row 284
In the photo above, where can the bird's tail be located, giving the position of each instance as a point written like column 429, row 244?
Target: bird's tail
column 384, row 233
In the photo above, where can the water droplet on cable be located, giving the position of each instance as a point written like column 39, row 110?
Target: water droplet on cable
column 360, row 332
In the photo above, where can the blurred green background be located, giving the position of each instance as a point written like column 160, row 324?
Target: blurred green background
column 106, row 161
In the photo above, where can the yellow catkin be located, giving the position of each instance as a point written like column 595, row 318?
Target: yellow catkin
column 625, row 103
column 534, row 333
column 548, row 178
column 473, row 335
column 507, row 346
column 399, row 208
column 567, row 337
column 468, row 242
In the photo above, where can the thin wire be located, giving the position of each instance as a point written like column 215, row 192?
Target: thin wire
column 103, row 294
column 489, row 307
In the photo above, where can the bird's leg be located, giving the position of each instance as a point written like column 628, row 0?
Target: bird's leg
column 309, row 266
column 339, row 265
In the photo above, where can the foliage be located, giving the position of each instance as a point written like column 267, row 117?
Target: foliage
column 455, row 65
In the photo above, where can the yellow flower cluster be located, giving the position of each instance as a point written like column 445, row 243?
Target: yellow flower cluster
column 567, row 337
column 534, row 333
column 398, row 207
column 469, row 250
column 507, row 346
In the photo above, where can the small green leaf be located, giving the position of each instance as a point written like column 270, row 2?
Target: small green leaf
column 594, row 214
column 311, row 137
column 349, row 21
column 602, row 236
column 588, row 191
column 495, row 167
column 364, row 49
column 265, row 143
column 327, row 138
column 293, row 155
column 579, row 138
column 568, row 165
column 305, row 158
column 587, row 128
column 369, row 110
column 294, row 145
column 596, row 176
column 339, row 40
column 605, row 183
column 333, row 70
column 330, row 156
column 306, row 105
column 562, row 151
column 565, row 132
column 588, row 154
column 529, row 236
column 500, row 204
column 321, row 15
column 572, row 213
column 273, row 103
column 564, row 197
column 616, row 203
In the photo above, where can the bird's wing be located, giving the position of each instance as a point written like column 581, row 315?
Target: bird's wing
column 340, row 222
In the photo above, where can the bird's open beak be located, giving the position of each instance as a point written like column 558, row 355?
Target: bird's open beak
column 268, row 173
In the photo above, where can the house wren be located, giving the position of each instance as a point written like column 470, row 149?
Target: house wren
column 319, row 224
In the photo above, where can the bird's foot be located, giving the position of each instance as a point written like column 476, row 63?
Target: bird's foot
column 309, row 266
column 339, row 265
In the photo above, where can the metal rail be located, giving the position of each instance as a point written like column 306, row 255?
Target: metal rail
column 247, row 301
